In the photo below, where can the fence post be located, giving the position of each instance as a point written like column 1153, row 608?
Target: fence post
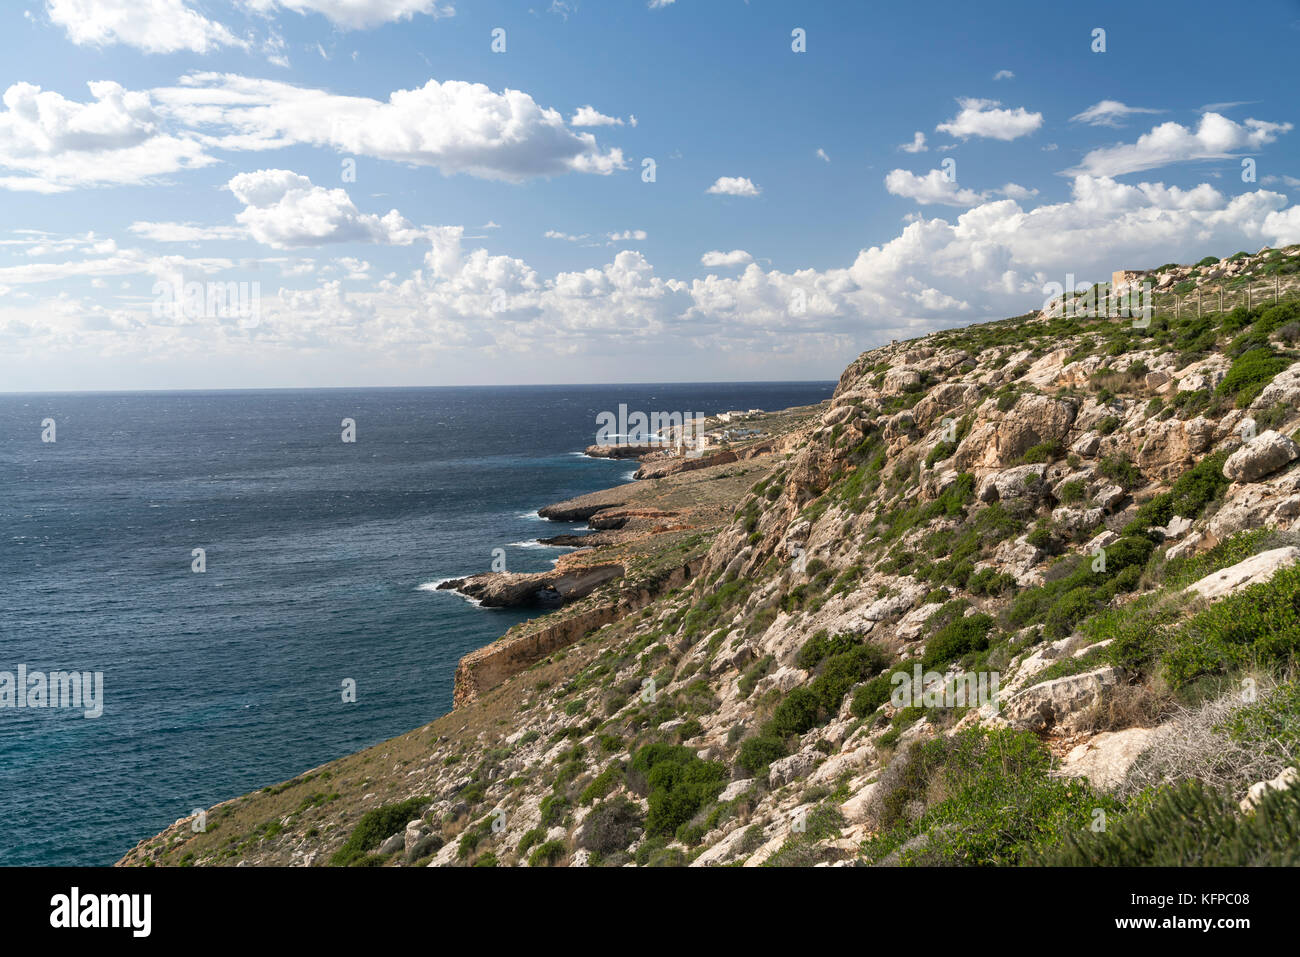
column 1248, row 295
column 1220, row 300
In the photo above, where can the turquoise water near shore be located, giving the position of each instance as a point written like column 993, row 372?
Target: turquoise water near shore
column 316, row 553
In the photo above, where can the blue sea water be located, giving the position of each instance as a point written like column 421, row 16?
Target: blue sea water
column 320, row 557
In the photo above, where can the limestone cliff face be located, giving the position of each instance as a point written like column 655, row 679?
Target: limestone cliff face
column 529, row 643
column 1077, row 514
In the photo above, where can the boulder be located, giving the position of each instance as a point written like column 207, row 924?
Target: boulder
column 1284, row 389
column 735, row 789
column 1165, row 450
column 414, row 833
column 1018, row 557
column 1200, row 433
column 1105, row 759
column 792, row 768
column 838, row 414
column 1184, row 548
column 1060, row 704
column 913, row 623
column 1101, row 541
column 1001, row 439
column 1285, row 781
column 1073, row 518
column 1108, row 496
column 1263, row 455
column 1253, row 571
column 1021, row 481
column 856, row 809
column 900, row 380
column 1087, row 444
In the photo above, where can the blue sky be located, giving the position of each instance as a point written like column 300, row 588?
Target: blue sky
column 499, row 227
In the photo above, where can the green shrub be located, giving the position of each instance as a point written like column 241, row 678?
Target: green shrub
column 753, row 673
column 1257, row 626
column 1189, row 826
column 546, row 855
column 943, row 450
column 990, row 581
column 1120, row 470
column 1043, row 452
column 868, row 697
column 1273, row 723
column 1073, row 492
column 553, row 808
column 375, row 826
column 822, row 645
column 611, row 826
column 1108, row 425
column 816, row 703
column 531, row 838
column 1061, row 604
column 956, row 639
column 1250, row 372
column 758, row 752
column 602, row 784
column 1040, row 536
column 998, row 804
column 796, row 713
column 677, row 783
column 1187, row 497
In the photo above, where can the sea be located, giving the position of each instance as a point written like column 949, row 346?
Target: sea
column 257, row 593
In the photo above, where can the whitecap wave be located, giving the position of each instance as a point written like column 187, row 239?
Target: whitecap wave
column 433, row 586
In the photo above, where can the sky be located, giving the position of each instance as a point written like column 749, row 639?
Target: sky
column 332, row 193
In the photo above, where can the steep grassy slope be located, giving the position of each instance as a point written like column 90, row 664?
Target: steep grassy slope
column 1027, row 503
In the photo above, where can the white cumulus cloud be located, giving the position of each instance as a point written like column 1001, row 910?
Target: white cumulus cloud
column 917, row 145
column 590, row 116
column 1215, row 137
column 358, row 14
column 734, row 186
column 932, row 188
column 989, row 119
column 282, row 209
column 715, row 258
column 455, row 126
column 59, row 144
column 154, row 26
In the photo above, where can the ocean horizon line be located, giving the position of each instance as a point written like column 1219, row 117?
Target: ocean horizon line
column 413, row 388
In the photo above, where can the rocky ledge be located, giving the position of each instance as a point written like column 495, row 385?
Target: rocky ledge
column 539, row 589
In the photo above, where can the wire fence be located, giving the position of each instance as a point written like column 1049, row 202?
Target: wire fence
column 1226, row 296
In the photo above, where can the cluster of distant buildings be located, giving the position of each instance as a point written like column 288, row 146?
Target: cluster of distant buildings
column 713, row 438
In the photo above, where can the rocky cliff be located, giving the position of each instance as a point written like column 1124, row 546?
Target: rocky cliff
column 1024, row 592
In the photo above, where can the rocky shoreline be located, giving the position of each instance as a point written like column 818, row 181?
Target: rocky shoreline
column 621, row 519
